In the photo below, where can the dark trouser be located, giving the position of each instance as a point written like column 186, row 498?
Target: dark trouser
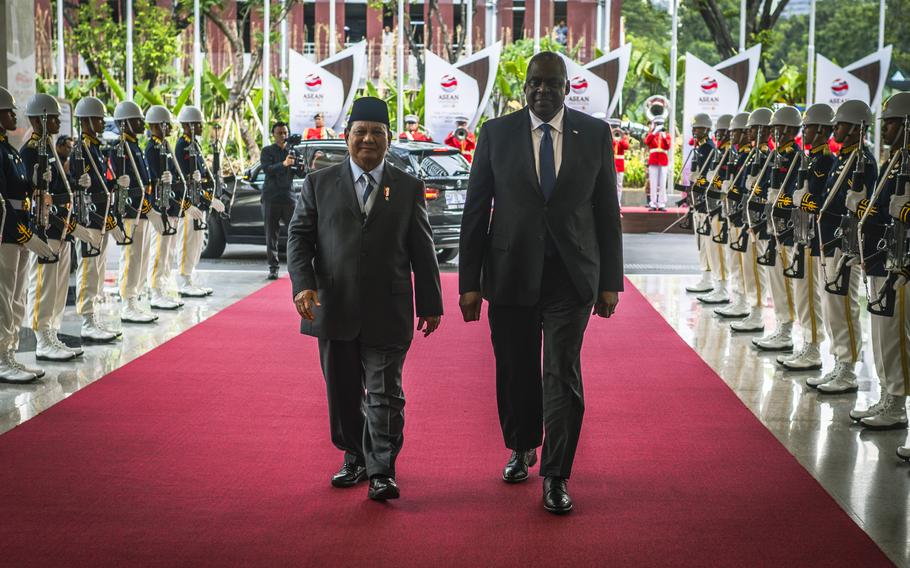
column 369, row 427
column 531, row 401
column 274, row 212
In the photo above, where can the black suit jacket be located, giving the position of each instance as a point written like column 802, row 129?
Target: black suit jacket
column 278, row 179
column 362, row 267
column 506, row 218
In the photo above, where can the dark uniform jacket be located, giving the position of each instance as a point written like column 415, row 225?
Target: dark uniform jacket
column 188, row 166
column 57, row 186
column 830, row 220
column 362, row 267
column 278, row 178
column 821, row 162
column 738, row 187
column 726, row 156
column 789, row 154
column 703, row 161
column 155, row 155
column 99, row 192
column 876, row 224
column 15, row 188
column 139, row 188
column 502, row 249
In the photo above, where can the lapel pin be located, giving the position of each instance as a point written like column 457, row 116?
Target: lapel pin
column 386, row 192
column 574, row 132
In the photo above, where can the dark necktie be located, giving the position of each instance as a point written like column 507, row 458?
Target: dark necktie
column 368, row 181
column 547, row 163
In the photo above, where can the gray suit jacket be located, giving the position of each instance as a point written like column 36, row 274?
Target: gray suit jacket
column 362, row 267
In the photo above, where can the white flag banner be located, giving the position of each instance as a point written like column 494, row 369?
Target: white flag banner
column 327, row 87
column 482, row 66
column 613, row 68
column 450, row 92
column 588, row 92
column 862, row 80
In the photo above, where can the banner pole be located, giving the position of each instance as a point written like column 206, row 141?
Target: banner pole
column 536, row 26
column 284, row 43
column 878, row 107
column 129, row 49
column 197, row 56
column 266, row 71
column 469, row 33
column 599, row 34
column 742, row 26
column 608, row 26
column 61, row 56
column 674, row 7
column 810, row 64
column 332, row 28
column 400, row 64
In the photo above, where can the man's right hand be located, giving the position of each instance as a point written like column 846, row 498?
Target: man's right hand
column 470, row 303
column 289, row 161
column 305, row 301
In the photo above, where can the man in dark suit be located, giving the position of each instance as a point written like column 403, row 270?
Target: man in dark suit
column 277, row 195
column 359, row 230
column 547, row 252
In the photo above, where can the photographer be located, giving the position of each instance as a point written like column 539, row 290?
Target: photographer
column 462, row 139
column 277, row 198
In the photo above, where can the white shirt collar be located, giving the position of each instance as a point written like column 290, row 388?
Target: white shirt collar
column 375, row 173
column 555, row 122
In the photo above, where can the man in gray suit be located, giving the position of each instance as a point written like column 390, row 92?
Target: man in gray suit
column 548, row 252
column 360, row 228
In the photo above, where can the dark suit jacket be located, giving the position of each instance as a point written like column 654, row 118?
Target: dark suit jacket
column 278, row 178
column 503, row 243
column 362, row 268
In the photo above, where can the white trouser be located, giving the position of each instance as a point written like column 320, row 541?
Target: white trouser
column 752, row 280
column 619, row 178
column 47, row 288
column 714, row 252
column 190, row 247
column 657, row 176
column 781, row 293
column 841, row 315
column 134, row 259
column 734, row 263
column 807, row 295
column 165, row 251
column 90, row 279
column 698, row 220
column 13, row 280
column 891, row 341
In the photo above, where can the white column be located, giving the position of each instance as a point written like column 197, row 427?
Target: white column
column 599, row 26
column 332, row 27
column 878, row 108
column 197, row 55
column 742, row 26
column 399, row 71
column 674, row 41
column 284, row 44
column 608, row 24
column 61, row 55
column 536, row 26
column 469, row 32
column 810, row 63
column 129, row 49
column 266, row 70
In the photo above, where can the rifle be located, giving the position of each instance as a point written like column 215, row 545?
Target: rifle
column 163, row 192
column 85, row 208
column 106, row 211
column 840, row 285
column 196, row 194
column 693, row 196
column 776, row 235
column 218, row 190
column 802, row 225
column 65, row 222
column 42, row 203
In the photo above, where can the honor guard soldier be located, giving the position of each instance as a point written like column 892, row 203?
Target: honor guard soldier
column 89, row 168
column 771, row 204
column 854, row 169
column 620, row 146
column 658, row 143
column 14, row 235
column 807, row 279
column 49, row 277
column 201, row 198
column 462, row 139
column 412, row 130
column 132, row 174
column 886, row 269
column 319, row 131
column 710, row 254
column 163, row 174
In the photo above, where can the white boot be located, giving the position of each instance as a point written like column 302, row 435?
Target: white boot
column 874, row 409
column 10, row 359
column 159, row 301
column 718, row 296
column 738, row 308
column 780, row 340
column 893, row 415
column 48, row 349
column 77, row 351
column 132, row 313
column 92, row 332
column 844, row 382
column 704, row 285
column 190, row 290
column 903, row 452
column 809, row 359
column 781, row 359
column 10, row 373
column 752, row 323
column 815, row 382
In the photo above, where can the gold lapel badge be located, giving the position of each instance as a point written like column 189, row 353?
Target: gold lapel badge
column 386, row 192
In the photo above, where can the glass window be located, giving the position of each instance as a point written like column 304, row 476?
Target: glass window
column 444, row 165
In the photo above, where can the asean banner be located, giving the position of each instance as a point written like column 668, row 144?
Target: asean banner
column 597, row 86
column 327, row 87
column 462, row 89
column 863, row 79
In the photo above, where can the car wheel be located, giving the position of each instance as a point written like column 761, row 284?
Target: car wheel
column 214, row 240
column 445, row 255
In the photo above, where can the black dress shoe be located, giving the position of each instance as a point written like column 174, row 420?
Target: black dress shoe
column 273, row 273
column 556, row 495
column 349, row 475
column 383, row 488
column 517, row 469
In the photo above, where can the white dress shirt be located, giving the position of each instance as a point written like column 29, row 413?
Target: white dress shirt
column 360, row 184
column 556, row 127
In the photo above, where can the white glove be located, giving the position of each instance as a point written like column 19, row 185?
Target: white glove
column 48, row 176
column 85, row 181
column 217, row 205
column 900, row 282
column 197, row 177
column 123, row 182
column 853, row 199
column 799, row 195
column 167, row 177
column 194, row 213
column 898, row 202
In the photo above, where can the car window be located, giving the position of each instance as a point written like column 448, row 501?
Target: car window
column 325, row 157
column 444, row 165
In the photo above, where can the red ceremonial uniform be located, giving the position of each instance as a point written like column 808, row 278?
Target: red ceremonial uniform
column 466, row 146
column 658, row 144
column 317, row 134
column 619, row 154
column 417, row 136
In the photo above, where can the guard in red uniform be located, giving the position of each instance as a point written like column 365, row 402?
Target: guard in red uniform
column 462, row 139
column 620, row 145
column 412, row 130
column 320, row 131
column 658, row 143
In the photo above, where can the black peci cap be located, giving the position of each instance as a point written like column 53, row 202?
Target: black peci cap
column 369, row 109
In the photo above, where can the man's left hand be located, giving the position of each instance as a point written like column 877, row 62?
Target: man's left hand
column 606, row 304
column 428, row 324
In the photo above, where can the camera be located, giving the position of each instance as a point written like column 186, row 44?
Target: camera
column 298, row 168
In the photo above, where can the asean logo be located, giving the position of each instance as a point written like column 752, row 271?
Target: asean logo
column 839, row 87
column 579, row 84
column 708, row 85
column 448, row 83
column 313, row 82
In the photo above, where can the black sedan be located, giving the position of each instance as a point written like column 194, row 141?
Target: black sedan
column 443, row 169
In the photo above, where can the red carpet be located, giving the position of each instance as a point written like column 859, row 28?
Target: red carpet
column 230, row 466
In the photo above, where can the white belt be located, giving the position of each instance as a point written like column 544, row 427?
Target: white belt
column 658, row 151
column 620, row 157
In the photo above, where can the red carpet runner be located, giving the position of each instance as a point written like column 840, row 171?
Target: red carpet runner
column 158, row 464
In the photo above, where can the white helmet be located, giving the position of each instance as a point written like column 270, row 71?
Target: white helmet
column 158, row 114
column 189, row 114
column 7, row 101
column 701, row 120
column 127, row 110
column 853, row 112
column 787, row 116
column 42, row 104
column 90, row 107
column 723, row 122
column 819, row 113
column 760, row 117
column 897, row 106
column 739, row 121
